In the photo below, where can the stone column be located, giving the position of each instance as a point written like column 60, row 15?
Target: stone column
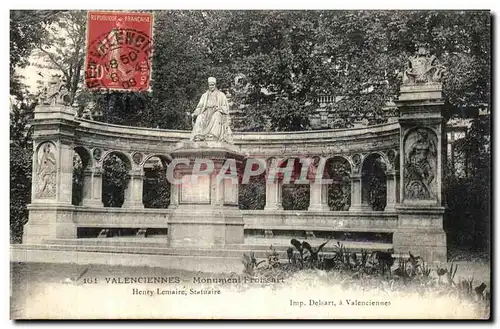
column 92, row 187
column 365, row 192
column 51, row 212
column 174, row 196
column 355, row 192
column 359, row 201
column 273, row 195
column 420, row 213
column 392, row 190
column 318, row 197
column 133, row 193
column 87, row 185
column 65, row 173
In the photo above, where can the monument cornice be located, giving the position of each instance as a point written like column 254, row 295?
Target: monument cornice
column 326, row 142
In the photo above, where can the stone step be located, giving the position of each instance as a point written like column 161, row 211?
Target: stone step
column 260, row 247
column 250, row 243
column 259, row 243
column 37, row 254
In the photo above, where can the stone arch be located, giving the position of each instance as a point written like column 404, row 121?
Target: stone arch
column 382, row 155
column 164, row 158
column 342, row 156
column 374, row 181
column 82, row 161
column 122, row 155
column 116, row 167
column 338, row 168
column 156, row 187
column 85, row 156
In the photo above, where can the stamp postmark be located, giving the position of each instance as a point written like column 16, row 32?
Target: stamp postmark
column 119, row 51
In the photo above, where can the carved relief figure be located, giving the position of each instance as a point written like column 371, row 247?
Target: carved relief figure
column 420, row 165
column 46, row 172
column 422, row 68
column 211, row 116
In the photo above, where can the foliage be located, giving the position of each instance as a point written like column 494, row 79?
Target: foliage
column 250, row 263
column 468, row 198
column 180, row 68
column 63, row 47
column 252, row 196
column 115, row 181
column 308, row 257
column 339, row 192
column 21, row 151
column 20, row 189
column 364, row 269
column 289, row 58
column 374, row 183
column 27, row 29
column 77, row 186
column 295, row 196
column 156, row 188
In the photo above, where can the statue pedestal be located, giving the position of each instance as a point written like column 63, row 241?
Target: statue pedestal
column 420, row 231
column 207, row 213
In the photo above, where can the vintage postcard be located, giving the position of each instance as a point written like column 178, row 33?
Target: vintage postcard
column 244, row 164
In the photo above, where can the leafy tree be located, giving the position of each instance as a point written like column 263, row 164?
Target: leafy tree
column 27, row 29
column 374, row 182
column 156, row 188
column 468, row 198
column 64, row 47
column 339, row 192
column 252, row 196
column 115, row 181
column 21, row 151
column 295, row 197
column 77, row 186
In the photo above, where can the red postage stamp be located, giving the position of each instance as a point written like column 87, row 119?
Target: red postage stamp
column 119, row 51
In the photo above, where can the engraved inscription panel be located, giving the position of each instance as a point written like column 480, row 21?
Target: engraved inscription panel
column 197, row 191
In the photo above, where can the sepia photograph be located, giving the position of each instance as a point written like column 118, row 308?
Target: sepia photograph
column 250, row 164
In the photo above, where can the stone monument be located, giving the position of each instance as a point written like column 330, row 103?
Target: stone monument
column 420, row 214
column 50, row 211
column 205, row 179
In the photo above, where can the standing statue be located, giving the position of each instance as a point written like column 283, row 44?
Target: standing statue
column 211, row 116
